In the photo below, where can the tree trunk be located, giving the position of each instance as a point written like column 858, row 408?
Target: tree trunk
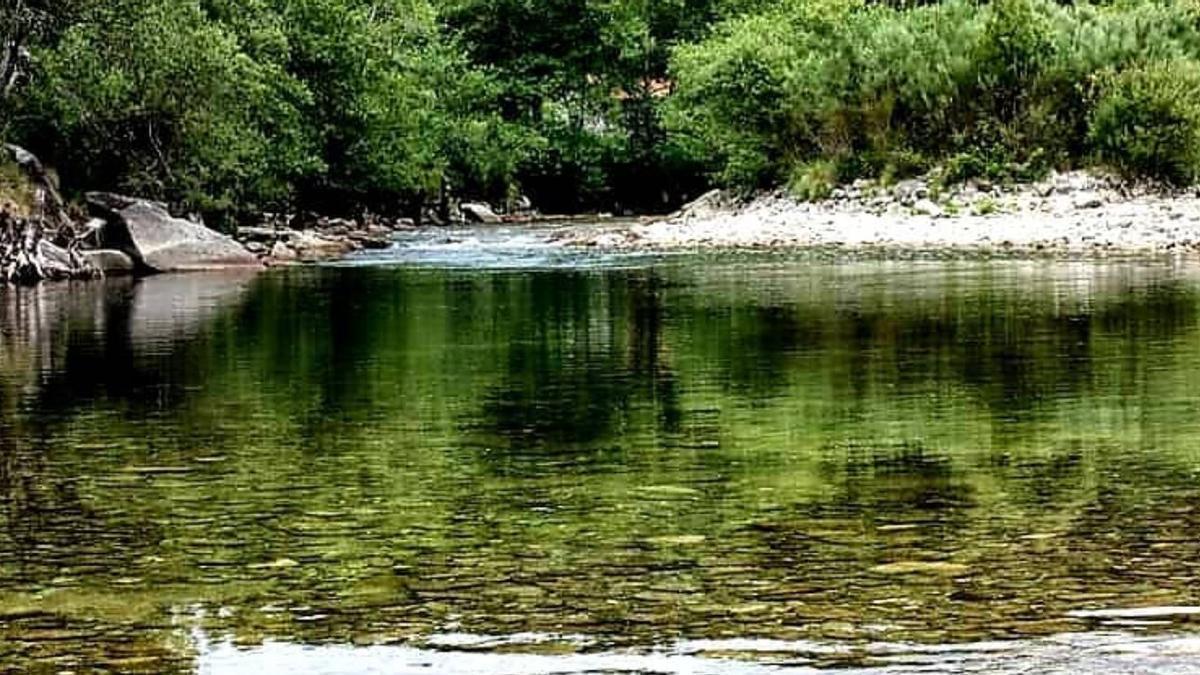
column 15, row 26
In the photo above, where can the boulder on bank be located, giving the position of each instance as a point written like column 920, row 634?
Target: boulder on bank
column 480, row 213
column 706, row 205
column 159, row 242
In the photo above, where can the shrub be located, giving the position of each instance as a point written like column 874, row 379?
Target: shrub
column 814, row 181
column 1147, row 121
column 1002, row 90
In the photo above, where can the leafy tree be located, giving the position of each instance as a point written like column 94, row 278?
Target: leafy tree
column 150, row 96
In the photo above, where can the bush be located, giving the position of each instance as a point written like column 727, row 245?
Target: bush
column 152, row 98
column 1001, row 90
column 1147, row 121
column 814, row 181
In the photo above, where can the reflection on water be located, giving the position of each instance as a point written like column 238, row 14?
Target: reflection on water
column 831, row 455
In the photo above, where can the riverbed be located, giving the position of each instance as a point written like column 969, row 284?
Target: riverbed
column 480, row 451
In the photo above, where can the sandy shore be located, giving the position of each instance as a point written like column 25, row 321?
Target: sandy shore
column 1072, row 213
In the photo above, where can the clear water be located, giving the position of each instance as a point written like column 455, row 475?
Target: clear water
column 579, row 463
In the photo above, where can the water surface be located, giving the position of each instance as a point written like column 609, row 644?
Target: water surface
column 728, row 464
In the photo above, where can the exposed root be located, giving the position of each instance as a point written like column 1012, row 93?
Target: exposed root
column 46, row 244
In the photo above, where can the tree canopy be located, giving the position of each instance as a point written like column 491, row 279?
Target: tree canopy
column 234, row 106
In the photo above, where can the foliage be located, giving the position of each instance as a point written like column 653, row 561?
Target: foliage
column 229, row 106
column 110, row 101
column 1147, row 122
column 814, row 181
column 1003, row 89
column 233, row 106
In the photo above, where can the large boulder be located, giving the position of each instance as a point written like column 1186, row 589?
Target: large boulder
column 706, row 205
column 159, row 242
column 480, row 213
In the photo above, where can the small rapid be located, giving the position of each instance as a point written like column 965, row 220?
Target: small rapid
column 515, row 247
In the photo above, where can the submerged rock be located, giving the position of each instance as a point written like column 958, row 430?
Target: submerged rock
column 921, row 567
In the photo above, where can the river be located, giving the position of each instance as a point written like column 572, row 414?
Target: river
column 478, row 452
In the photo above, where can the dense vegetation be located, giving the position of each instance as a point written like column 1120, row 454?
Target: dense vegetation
column 822, row 90
column 241, row 105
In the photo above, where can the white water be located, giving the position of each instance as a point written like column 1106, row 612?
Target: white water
column 1105, row 652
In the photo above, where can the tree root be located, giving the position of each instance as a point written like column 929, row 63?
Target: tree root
column 46, row 244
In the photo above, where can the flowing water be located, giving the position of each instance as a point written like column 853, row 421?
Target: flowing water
column 470, row 454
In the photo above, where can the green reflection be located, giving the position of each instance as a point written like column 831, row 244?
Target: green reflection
column 859, row 451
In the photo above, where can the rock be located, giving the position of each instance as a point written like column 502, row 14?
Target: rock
column 909, row 192
column 921, row 567
column 281, row 252
column 704, row 206
column 927, row 207
column 159, row 242
column 260, row 234
column 110, row 262
column 370, row 241
column 1087, row 200
column 313, row 246
column 336, row 224
column 480, row 213
column 258, row 248
column 679, row 540
column 1069, row 183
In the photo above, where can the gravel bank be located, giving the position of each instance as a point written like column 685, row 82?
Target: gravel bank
column 1071, row 213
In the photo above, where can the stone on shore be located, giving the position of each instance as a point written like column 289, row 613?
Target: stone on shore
column 480, row 213
column 110, row 262
column 929, row 208
column 706, row 205
column 282, row 253
column 311, row 246
column 1078, row 212
column 160, row 242
column 1087, row 200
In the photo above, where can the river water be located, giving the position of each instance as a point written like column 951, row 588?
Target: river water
column 478, row 453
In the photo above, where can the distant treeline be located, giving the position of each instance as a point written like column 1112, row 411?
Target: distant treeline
column 236, row 106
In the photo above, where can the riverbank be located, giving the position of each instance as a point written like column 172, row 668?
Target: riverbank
column 1070, row 214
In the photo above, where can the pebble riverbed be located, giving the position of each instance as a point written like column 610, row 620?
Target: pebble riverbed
column 1069, row 213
